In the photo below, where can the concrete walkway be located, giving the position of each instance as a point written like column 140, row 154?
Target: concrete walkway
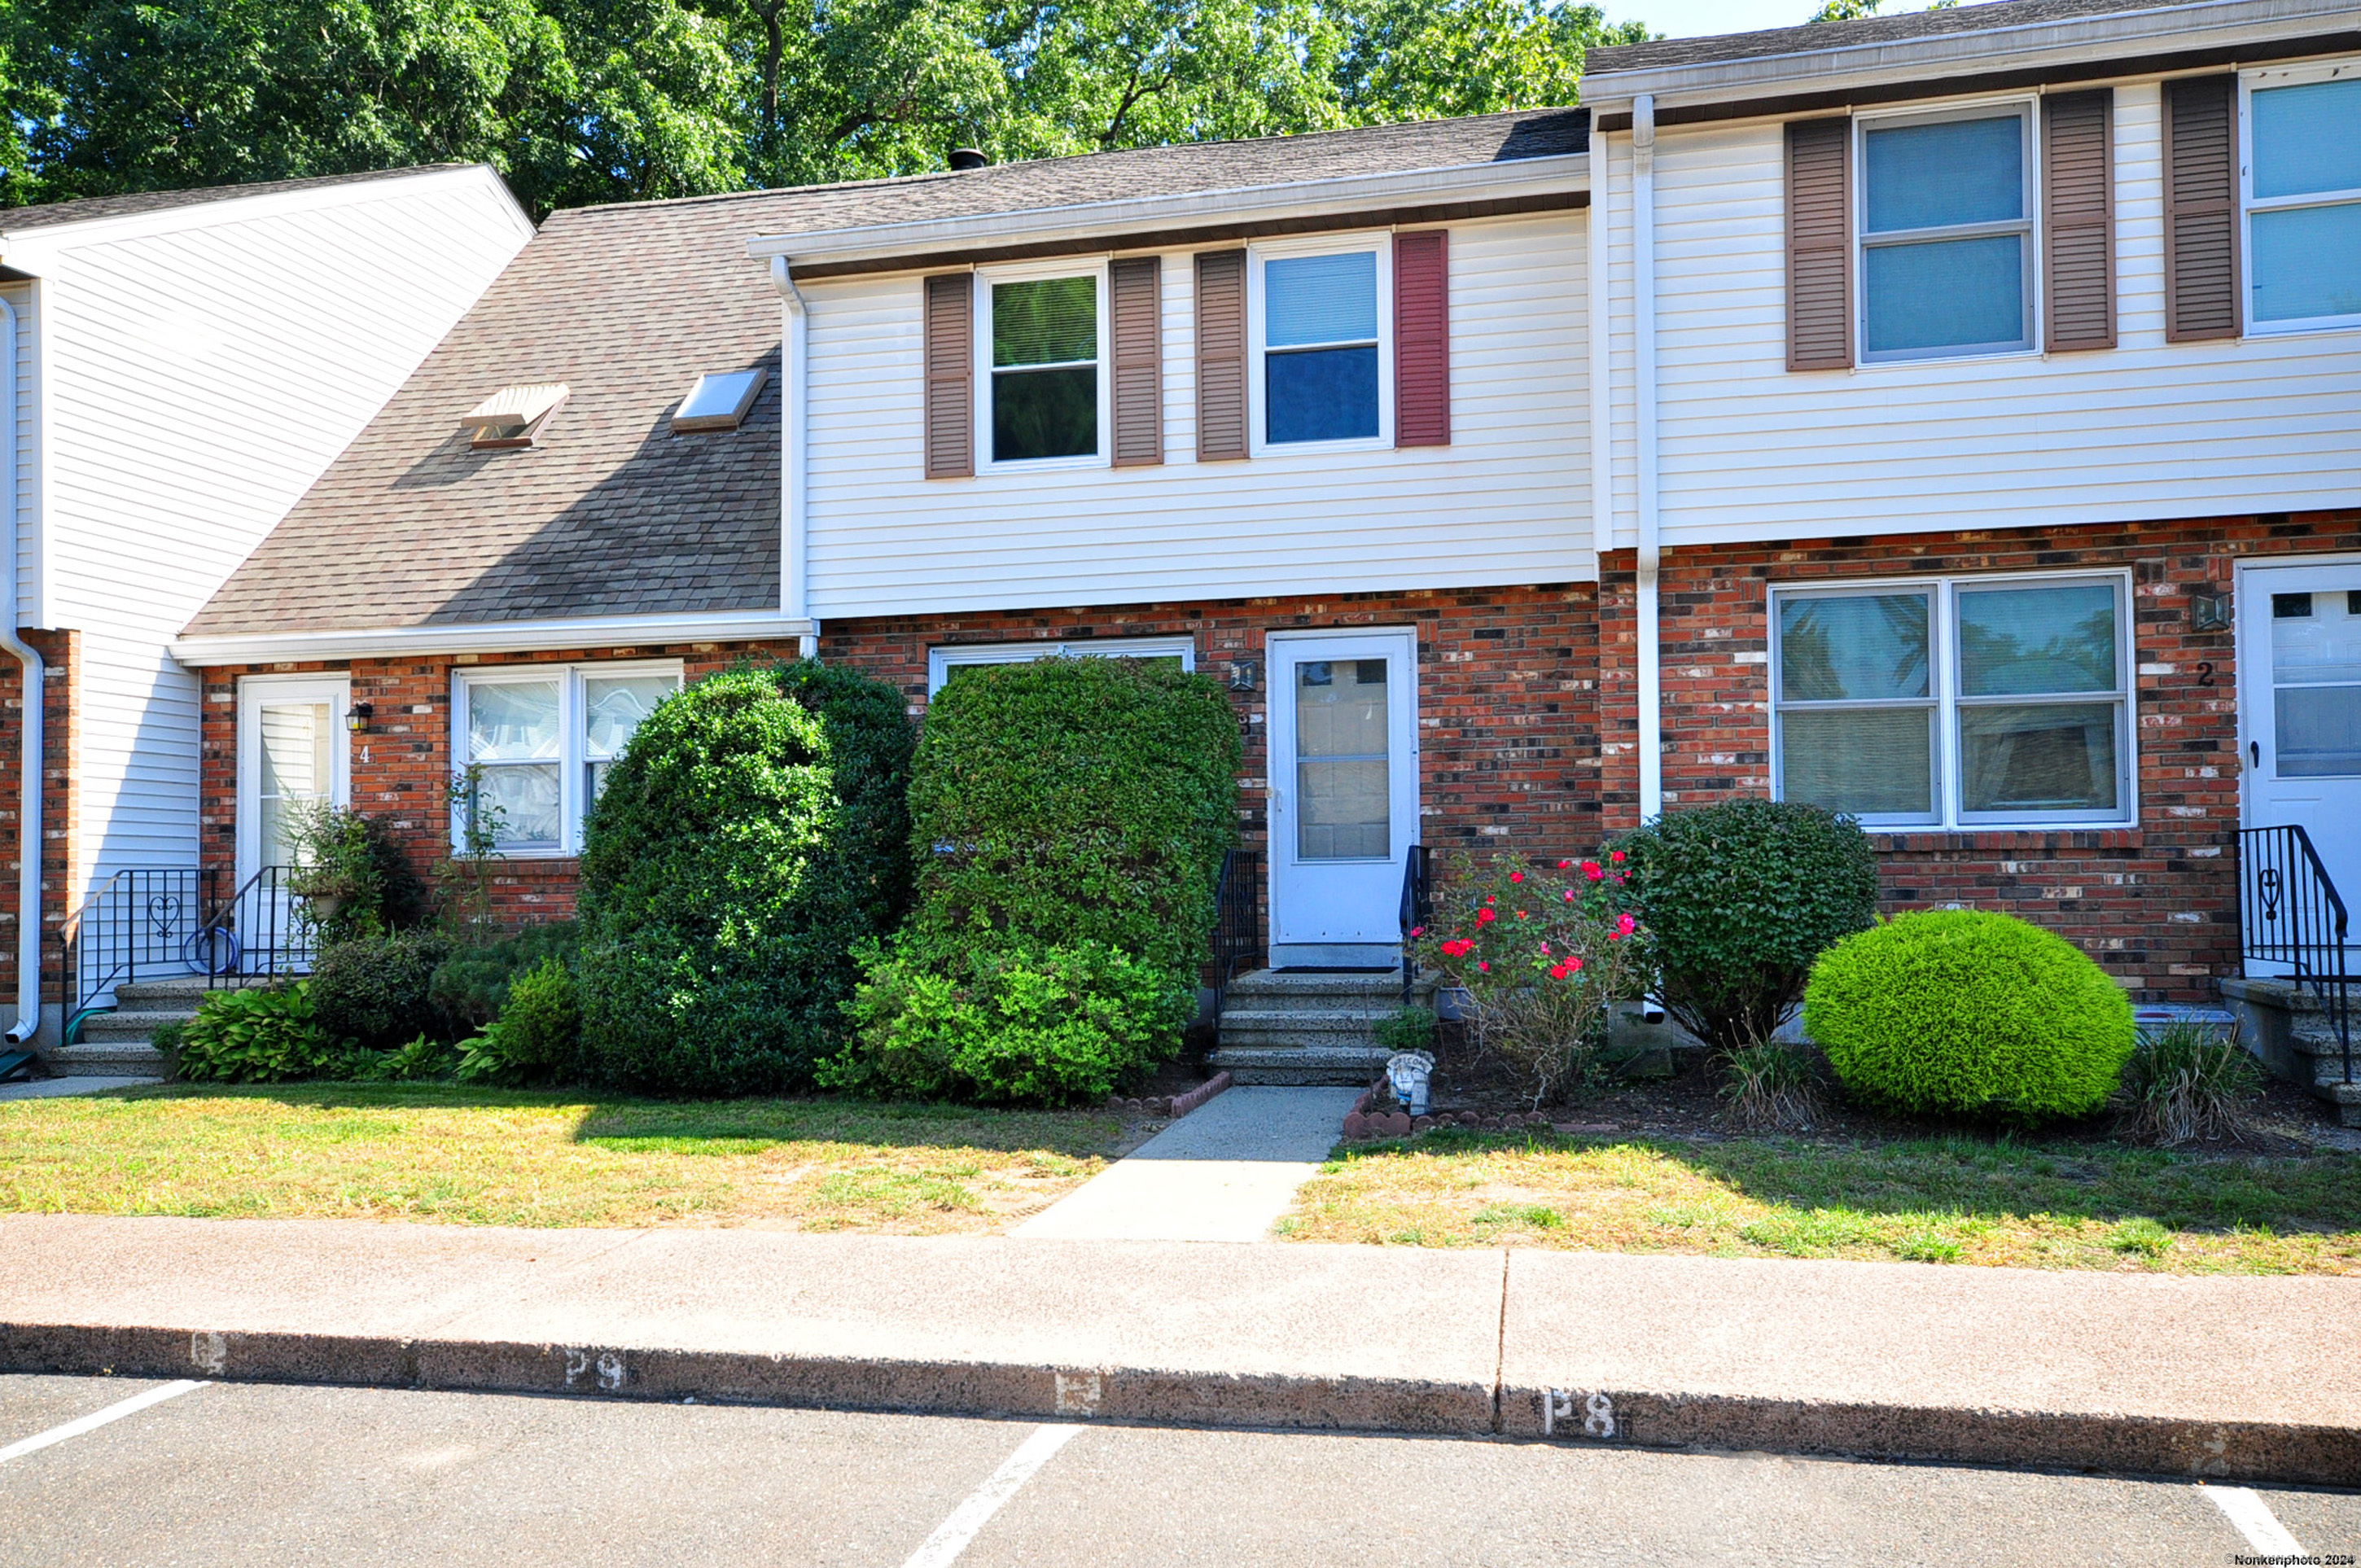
column 86, row 1084
column 1222, row 1173
column 2253, row 1378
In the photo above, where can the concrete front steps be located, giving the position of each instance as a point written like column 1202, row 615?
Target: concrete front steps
column 116, row 1044
column 2289, row 1028
column 1309, row 1027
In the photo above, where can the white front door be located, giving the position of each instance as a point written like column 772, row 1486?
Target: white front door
column 1344, row 795
column 2299, row 710
column 292, row 751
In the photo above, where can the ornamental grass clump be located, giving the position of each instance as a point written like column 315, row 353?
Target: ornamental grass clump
column 1069, row 817
column 1962, row 1012
column 2189, row 1082
column 1770, row 1086
column 1543, row 950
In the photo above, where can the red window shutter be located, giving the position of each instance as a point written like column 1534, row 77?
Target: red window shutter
column 1421, row 339
column 1819, row 245
column 1221, row 354
column 2078, row 209
column 2201, row 208
column 1134, row 285
column 951, row 376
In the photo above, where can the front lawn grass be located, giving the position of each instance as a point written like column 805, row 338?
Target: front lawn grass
column 1951, row 1200
column 541, row 1158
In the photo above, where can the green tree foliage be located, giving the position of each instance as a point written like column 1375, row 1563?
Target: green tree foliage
column 580, row 100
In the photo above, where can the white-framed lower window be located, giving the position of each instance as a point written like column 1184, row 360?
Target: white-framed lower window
column 1040, row 365
column 2299, row 182
column 1946, row 232
column 944, row 663
column 1319, row 325
column 539, row 738
column 1956, row 702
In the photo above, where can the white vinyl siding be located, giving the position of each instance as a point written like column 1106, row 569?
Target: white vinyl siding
column 188, row 404
column 2148, row 430
column 1506, row 503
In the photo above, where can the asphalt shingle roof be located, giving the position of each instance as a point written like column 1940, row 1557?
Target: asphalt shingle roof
column 1666, row 53
column 16, row 220
column 613, row 514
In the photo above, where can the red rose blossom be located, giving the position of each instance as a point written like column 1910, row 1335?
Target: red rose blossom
column 1516, row 876
column 1483, row 917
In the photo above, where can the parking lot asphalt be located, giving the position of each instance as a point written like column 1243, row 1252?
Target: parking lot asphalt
column 246, row 1474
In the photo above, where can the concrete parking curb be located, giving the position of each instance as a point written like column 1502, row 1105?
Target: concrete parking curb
column 2225, row 1450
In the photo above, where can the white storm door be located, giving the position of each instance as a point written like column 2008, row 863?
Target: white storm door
column 292, row 751
column 1344, row 795
column 2299, row 710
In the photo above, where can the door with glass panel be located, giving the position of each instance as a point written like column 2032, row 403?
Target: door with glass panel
column 2299, row 710
column 293, row 756
column 1343, row 794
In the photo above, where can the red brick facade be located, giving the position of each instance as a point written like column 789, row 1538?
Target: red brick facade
column 1529, row 720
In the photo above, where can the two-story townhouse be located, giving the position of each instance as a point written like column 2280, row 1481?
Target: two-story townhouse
column 1906, row 411
column 183, row 367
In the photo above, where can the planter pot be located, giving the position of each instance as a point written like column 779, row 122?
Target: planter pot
column 324, row 906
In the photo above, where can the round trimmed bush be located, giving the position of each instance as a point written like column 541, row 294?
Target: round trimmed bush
column 751, row 836
column 1962, row 1011
column 374, row 991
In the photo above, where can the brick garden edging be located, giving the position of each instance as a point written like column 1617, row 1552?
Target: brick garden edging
column 1168, row 1106
column 1362, row 1126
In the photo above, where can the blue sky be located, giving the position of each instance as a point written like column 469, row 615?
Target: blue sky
column 1695, row 18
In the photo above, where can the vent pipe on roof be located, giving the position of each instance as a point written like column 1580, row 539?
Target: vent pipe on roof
column 966, row 158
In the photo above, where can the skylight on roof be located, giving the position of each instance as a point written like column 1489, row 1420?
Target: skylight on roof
column 720, row 400
column 513, row 415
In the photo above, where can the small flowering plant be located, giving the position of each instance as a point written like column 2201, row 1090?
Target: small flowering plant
column 1543, row 947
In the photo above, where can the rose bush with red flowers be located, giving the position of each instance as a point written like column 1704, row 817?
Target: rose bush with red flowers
column 1539, row 981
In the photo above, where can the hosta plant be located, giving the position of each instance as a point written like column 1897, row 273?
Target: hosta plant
column 257, row 1037
column 1542, row 948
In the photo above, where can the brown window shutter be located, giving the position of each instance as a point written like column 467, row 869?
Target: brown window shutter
column 1421, row 339
column 1133, row 286
column 2077, row 220
column 2201, row 208
column 1221, row 354
column 951, row 376
column 1819, row 245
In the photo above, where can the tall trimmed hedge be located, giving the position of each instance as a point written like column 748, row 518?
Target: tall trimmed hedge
column 1069, row 818
column 753, row 836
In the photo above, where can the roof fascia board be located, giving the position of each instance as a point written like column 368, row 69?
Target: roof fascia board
column 35, row 247
column 2073, row 42
column 490, row 637
column 1110, row 220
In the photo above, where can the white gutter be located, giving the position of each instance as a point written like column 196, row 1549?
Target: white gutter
column 794, row 561
column 1643, row 397
column 589, row 631
column 2249, row 27
column 31, row 752
column 1497, row 180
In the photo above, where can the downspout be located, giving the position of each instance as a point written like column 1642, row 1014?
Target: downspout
column 1644, row 393
column 1601, row 329
column 30, row 752
column 795, row 601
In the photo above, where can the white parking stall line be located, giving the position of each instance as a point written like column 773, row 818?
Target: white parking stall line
column 951, row 1537
column 2254, row 1518
column 97, row 1418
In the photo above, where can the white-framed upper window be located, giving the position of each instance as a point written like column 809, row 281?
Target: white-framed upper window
column 944, row 663
column 1320, row 320
column 1956, row 702
column 1946, row 233
column 1040, row 350
column 2299, row 182
column 541, row 739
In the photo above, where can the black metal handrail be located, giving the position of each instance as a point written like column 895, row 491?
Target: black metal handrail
column 262, row 933
column 1417, row 913
column 1237, row 919
column 2289, row 912
column 140, row 922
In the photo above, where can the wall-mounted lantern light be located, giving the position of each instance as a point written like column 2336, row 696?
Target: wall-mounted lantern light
column 2209, row 612
column 357, row 717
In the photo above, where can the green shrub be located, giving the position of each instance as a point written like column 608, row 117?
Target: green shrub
column 751, row 836
column 1069, row 817
column 2189, row 1082
column 257, row 1037
column 374, row 991
column 423, row 1057
column 1406, row 1029
column 1738, row 900
column 537, row 1038
column 471, row 986
column 352, row 874
column 1964, row 1011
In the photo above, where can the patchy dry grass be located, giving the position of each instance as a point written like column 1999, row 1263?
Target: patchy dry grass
column 1940, row 1201
column 520, row 1158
